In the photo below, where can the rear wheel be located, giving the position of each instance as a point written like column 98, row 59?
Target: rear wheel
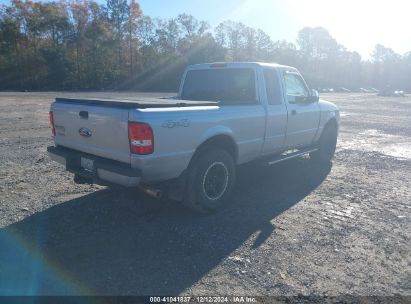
column 326, row 145
column 211, row 177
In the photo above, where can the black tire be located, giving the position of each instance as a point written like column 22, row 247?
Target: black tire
column 326, row 145
column 211, row 177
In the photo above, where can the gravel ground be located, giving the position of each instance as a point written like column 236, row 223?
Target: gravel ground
column 290, row 229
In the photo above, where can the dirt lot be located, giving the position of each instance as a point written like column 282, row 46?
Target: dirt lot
column 290, row 229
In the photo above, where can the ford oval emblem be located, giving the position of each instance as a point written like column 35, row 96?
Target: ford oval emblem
column 84, row 132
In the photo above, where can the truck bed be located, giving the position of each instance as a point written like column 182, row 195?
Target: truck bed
column 136, row 103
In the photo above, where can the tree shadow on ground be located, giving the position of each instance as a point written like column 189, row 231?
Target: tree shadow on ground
column 115, row 242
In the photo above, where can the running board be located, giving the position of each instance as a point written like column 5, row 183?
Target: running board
column 283, row 157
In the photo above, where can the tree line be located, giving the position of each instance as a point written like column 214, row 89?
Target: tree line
column 84, row 45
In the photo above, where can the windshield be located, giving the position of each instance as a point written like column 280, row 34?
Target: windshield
column 234, row 86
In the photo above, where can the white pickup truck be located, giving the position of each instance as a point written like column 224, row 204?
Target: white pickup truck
column 189, row 146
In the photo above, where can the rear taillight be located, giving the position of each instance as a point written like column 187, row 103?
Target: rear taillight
column 53, row 130
column 141, row 138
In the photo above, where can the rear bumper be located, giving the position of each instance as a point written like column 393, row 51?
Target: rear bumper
column 104, row 171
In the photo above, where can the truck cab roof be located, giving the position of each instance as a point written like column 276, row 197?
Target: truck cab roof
column 238, row 64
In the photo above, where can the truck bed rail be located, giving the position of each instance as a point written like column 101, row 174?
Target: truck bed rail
column 137, row 103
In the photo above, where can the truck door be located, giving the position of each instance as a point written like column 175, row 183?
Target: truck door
column 276, row 121
column 303, row 116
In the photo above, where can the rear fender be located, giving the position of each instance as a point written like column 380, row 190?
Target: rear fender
column 216, row 131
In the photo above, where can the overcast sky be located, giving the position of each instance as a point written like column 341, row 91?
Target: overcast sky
column 356, row 24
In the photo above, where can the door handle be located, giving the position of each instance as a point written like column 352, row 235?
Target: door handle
column 83, row 114
column 293, row 112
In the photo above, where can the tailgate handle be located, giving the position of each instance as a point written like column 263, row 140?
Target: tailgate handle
column 83, row 114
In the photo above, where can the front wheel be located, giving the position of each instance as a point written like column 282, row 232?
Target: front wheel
column 326, row 145
column 211, row 177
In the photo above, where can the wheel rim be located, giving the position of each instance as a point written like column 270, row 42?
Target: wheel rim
column 215, row 181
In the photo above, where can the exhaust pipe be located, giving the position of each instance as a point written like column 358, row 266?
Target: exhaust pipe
column 156, row 193
column 78, row 179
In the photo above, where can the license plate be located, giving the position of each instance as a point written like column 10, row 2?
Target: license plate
column 87, row 163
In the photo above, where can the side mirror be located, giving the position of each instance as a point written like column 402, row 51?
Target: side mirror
column 314, row 97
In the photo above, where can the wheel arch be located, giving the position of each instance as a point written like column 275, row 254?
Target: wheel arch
column 331, row 122
column 222, row 141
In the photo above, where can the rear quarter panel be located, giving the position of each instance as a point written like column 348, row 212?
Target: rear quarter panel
column 178, row 132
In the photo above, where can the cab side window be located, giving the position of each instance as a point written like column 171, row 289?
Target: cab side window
column 296, row 89
column 272, row 87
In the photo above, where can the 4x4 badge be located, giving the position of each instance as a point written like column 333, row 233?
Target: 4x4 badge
column 176, row 123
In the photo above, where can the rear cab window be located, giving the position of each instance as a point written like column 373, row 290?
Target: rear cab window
column 229, row 86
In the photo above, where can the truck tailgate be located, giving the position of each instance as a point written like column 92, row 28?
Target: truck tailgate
column 94, row 129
